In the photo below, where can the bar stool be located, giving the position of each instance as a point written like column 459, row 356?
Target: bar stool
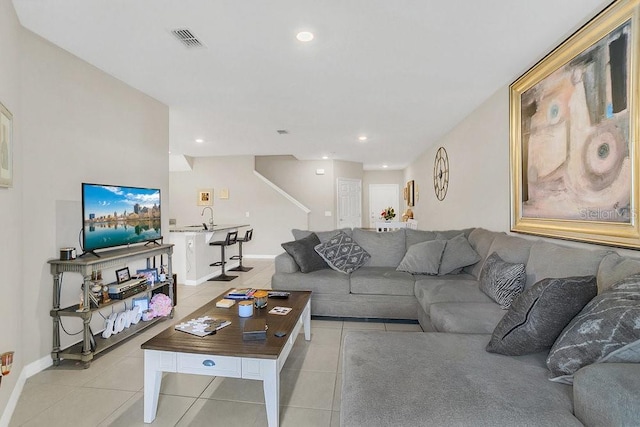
column 248, row 235
column 232, row 238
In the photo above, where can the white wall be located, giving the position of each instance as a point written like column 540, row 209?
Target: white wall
column 298, row 178
column 270, row 214
column 478, row 150
column 73, row 124
column 12, row 283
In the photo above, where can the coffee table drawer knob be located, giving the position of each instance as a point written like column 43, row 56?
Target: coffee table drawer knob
column 209, row 362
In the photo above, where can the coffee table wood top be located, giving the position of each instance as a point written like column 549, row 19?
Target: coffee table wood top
column 228, row 340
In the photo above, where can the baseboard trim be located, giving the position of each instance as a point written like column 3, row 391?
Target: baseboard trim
column 259, row 256
column 28, row 371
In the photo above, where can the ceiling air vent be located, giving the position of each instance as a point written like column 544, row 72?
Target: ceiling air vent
column 283, row 132
column 186, row 37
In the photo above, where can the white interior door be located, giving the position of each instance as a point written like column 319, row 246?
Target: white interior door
column 349, row 203
column 381, row 196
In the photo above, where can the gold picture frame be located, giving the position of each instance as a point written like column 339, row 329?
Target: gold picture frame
column 6, row 147
column 574, row 135
column 205, row 197
column 411, row 199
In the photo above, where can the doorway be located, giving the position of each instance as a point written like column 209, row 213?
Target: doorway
column 349, row 203
column 381, row 196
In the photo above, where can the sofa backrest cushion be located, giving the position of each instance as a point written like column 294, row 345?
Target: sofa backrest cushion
column 551, row 260
column 418, row 236
column 614, row 268
column 512, row 249
column 322, row 235
column 480, row 240
column 386, row 249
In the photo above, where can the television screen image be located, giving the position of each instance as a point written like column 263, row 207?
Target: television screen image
column 116, row 215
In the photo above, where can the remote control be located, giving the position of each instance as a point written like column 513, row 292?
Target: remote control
column 278, row 294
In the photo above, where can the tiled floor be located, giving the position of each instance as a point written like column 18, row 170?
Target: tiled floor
column 110, row 392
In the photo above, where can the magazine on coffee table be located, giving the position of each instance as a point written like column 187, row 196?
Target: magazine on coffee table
column 202, row 326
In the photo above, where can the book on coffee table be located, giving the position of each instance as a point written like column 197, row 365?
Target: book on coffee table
column 202, row 326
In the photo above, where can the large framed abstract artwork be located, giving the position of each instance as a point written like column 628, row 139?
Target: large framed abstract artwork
column 574, row 127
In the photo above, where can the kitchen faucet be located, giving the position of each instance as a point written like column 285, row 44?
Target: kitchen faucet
column 210, row 219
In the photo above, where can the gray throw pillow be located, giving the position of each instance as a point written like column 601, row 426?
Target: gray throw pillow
column 457, row 254
column 342, row 253
column 303, row 253
column 540, row 313
column 502, row 281
column 423, row 258
column 606, row 330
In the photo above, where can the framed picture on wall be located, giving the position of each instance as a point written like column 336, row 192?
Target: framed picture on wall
column 6, row 147
column 411, row 195
column 205, row 197
column 574, row 135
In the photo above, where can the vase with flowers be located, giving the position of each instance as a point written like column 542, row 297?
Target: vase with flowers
column 388, row 214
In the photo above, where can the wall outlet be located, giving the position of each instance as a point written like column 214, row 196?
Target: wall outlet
column 246, row 214
column 327, row 213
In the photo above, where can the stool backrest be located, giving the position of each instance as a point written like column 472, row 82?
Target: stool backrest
column 248, row 235
column 232, row 238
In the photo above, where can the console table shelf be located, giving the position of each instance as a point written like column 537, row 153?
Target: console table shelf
column 83, row 350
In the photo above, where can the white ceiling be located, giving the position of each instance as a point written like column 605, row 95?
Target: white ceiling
column 401, row 72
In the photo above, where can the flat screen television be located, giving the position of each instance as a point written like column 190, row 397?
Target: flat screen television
column 116, row 215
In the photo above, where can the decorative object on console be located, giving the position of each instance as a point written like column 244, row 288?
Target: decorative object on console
column 388, row 214
column 161, row 305
column 6, row 147
column 502, row 281
column 537, row 317
column 6, row 360
column 573, row 136
column 205, row 197
column 606, row 330
column 151, row 274
column 303, row 253
column 441, row 174
column 342, row 253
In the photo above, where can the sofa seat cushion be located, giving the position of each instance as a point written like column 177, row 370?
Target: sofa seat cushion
column 381, row 281
column 465, row 317
column 455, row 288
column 326, row 281
column 439, row 379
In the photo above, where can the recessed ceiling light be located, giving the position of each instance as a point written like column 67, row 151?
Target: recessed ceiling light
column 199, row 140
column 362, row 138
column 385, row 166
column 304, row 36
column 325, row 157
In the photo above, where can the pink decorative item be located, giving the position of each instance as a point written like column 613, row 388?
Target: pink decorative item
column 161, row 305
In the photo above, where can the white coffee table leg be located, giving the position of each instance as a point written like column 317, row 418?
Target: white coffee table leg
column 152, row 382
column 271, row 384
column 306, row 321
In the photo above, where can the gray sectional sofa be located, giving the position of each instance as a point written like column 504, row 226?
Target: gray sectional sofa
column 445, row 376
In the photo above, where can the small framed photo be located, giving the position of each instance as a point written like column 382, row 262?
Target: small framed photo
column 123, row 275
column 205, row 197
column 143, row 302
column 6, row 147
column 151, row 274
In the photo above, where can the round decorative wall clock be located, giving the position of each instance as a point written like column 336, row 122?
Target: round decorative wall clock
column 441, row 173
